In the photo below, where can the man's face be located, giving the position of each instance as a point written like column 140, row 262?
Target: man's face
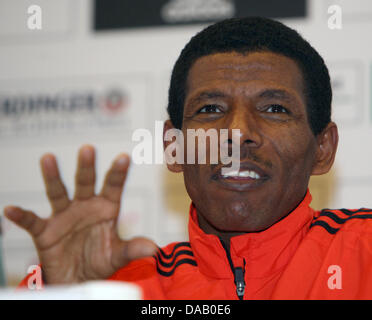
column 261, row 94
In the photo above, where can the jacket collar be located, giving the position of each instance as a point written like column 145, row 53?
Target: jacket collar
column 260, row 253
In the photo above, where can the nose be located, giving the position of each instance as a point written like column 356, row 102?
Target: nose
column 244, row 119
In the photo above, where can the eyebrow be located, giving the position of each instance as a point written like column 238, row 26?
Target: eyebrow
column 266, row 94
column 207, row 95
column 275, row 94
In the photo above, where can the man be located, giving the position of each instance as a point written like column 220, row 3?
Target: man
column 252, row 232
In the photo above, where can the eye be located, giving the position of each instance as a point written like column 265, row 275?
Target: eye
column 210, row 108
column 276, row 108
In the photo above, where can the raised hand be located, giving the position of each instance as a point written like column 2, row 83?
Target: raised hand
column 79, row 241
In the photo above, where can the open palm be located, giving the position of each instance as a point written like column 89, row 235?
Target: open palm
column 79, row 241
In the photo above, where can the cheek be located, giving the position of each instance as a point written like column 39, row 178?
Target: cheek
column 194, row 182
column 296, row 153
column 201, row 145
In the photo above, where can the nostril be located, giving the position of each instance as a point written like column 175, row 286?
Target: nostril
column 248, row 141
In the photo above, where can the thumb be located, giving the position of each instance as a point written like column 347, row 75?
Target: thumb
column 25, row 219
column 136, row 248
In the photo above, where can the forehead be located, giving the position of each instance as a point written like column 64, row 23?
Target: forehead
column 252, row 71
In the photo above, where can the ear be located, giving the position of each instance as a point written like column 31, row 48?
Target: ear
column 327, row 142
column 176, row 166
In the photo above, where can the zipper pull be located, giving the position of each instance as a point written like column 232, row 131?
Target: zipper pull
column 239, row 282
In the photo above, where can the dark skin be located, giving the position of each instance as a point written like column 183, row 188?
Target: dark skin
column 80, row 242
column 262, row 95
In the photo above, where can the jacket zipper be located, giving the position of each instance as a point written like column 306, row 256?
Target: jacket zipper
column 238, row 273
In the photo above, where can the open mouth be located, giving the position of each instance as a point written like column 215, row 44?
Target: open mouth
column 248, row 176
column 241, row 174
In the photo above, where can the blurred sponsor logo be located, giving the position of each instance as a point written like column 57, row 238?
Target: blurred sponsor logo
column 61, row 110
column 89, row 102
column 197, row 10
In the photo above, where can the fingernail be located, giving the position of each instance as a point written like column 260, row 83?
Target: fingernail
column 87, row 153
column 122, row 160
column 48, row 162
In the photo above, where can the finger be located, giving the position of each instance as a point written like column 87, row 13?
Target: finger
column 127, row 251
column 25, row 219
column 115, row 178
column 55, row 189
column 85, row 177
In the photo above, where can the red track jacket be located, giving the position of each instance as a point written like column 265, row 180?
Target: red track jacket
column 307, row 255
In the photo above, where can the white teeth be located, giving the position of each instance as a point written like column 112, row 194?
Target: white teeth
column 244, row 174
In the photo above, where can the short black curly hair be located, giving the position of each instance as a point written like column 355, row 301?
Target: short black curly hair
column 252, row 34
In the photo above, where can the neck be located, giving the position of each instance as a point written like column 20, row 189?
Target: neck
column 208, row 228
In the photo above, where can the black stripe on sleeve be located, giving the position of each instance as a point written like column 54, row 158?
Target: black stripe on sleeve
column 334, row 217
column 178, row 253
column 325, row 225
column 178, row 245
column 171, row 266
column 349, row 212
column 180, row 262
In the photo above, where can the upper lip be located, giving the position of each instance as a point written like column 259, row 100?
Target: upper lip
column 244, row 166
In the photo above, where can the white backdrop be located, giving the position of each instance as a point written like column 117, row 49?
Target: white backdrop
column 123, row 77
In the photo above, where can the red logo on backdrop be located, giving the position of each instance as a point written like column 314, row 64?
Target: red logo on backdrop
column 114, row 101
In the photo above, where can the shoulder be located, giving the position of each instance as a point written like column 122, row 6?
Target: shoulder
column 166, row 260
column 334, row 221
